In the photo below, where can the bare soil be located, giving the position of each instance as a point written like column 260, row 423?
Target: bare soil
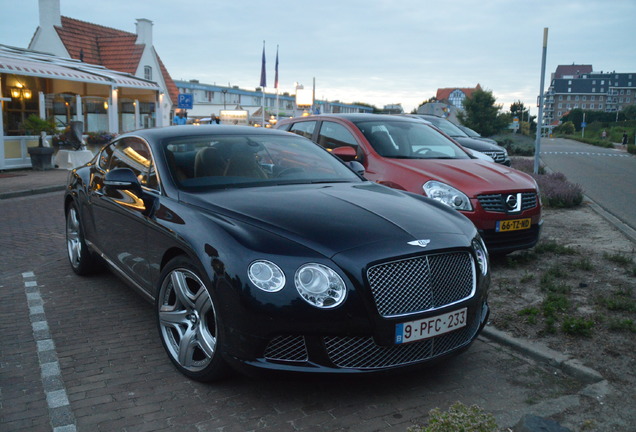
column 575, row 292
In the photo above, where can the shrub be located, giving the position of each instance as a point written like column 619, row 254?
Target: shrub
column 98, row 138
column 557, row 192
column 459, row 417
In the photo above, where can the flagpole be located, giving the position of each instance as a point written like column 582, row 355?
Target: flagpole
column 276, row 84
column 263, row 85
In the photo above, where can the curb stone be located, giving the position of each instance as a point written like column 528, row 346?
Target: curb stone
column 543, row 354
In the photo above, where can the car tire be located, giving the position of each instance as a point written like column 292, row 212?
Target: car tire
column 188, row 322
column 82, row 261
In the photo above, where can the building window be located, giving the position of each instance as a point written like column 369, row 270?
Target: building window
column 602, row 82
column 602, row 89
column 593, row 82
column 576, row 97
column 591, row 106
column 569, row 97
column 148, row 73
column 592, row 97
column 584, row 97
column 560, row 106
column 569, row 90
column 560, row 113
column 560, row 97
column 569, row 82
column 584, row 106
column 600, row 98
column 628, row 100
column 600, row 106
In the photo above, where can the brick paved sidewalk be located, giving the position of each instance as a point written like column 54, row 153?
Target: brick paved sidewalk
column 15, row 183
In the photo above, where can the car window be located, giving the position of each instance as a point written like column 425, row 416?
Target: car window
column 409, row 140
column 133, row 153
column 333, row 135
column 305, row 128
column 219, row 161
column 448, row 128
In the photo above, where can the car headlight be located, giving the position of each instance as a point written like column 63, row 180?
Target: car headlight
column 481, row 253
column 266, row 276
column 320, row 286
column 448, row 195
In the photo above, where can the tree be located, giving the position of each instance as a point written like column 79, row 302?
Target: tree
column 481, row 114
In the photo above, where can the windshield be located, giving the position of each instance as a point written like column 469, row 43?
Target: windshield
column 447, row 127
column 471, row 133
column 218, row 161
column 409, row 140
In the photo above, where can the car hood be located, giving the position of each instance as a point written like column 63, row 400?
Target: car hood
column 471, row 176
column 477, row 144
column 336, row 217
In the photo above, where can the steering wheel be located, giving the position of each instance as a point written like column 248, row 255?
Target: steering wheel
column 423, row 151
column 288, row 171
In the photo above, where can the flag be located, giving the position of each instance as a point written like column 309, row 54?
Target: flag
column 276, row 69
column 263, row 75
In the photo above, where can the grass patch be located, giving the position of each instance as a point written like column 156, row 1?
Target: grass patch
column 459, row 417
column 530, row 313
column 551, row 246
column 575, row 326
column 582, row 264
column 626, row 325
column 620, row 259
column 555, row 303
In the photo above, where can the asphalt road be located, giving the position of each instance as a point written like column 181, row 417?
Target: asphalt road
column 608, row 176
column 83, row 354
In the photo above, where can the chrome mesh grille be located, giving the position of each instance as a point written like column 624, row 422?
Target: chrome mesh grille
column 422, row 283
column 497, row 155
column 290, row 348
column 497, row 202
column 363, row 353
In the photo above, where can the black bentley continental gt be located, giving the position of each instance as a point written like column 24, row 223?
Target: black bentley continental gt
column 259, row 249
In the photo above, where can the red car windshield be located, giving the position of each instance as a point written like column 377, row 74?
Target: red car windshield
column 409, row 140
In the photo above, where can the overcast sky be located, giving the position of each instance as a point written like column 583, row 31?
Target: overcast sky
column 375, row 51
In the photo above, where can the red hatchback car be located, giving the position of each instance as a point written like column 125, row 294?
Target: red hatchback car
column 412, row 155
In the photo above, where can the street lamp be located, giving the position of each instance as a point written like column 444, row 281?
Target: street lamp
column 224, row 93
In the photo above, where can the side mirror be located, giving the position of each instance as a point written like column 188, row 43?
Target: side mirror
column 123, row 179
column 346, row 153
column 356, row 167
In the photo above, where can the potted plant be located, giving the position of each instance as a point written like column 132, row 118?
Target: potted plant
column 40, row 155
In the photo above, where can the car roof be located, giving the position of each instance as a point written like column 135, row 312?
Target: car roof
column 160, row 133
column 353, row 117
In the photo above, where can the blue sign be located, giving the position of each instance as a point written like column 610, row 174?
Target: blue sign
column 185, row 101
column 583, row 124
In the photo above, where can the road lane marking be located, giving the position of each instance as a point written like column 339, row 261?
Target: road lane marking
column 60, row 414
column 585, row 153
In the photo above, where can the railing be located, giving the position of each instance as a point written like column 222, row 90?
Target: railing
column 13, row 151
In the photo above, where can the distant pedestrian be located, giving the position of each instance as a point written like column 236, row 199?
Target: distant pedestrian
column 179, row 119
column 604, row 134
column 214, row 120
column 625, row 138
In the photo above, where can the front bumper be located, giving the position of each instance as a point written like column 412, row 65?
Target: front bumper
column 355, row 354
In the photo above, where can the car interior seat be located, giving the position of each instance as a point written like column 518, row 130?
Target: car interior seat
column 382, row 144
column 208, row 163
column 244, row 164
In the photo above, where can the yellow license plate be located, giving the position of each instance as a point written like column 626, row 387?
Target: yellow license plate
column 513, row 225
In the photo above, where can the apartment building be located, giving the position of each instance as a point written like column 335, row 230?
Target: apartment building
column 578, row 86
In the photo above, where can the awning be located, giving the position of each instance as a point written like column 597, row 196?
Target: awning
column 19, row 61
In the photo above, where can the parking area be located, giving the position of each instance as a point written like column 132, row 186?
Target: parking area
column 83, row 354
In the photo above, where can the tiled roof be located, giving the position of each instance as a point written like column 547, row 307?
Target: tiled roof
column 109, row 47
column 444, row 93
column 572, row 69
